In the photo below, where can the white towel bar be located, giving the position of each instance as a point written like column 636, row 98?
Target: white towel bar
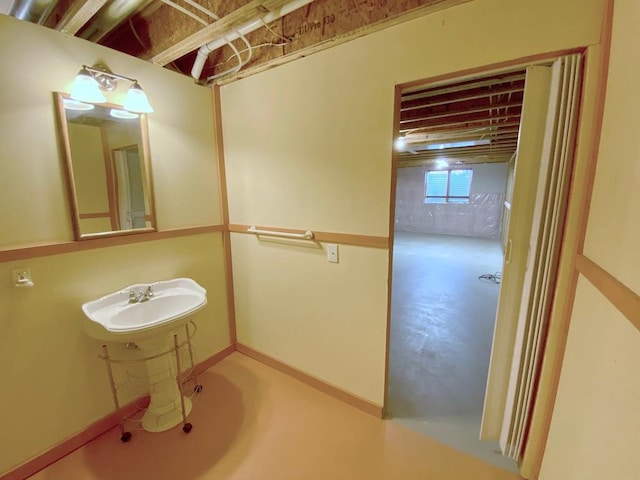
column 308, row 235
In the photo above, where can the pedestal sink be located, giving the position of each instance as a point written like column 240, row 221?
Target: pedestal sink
column 148, row 314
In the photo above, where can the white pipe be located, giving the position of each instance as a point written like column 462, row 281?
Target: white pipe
column 308, row 235
column 248, row 27
column 216, row 17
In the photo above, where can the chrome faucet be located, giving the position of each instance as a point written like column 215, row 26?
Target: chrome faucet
column 140, row 295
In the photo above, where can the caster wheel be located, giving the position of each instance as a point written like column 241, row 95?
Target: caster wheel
column 126, row 436
column 187, row 427
column 198, row 388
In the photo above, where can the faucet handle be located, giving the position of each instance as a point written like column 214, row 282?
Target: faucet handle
column 133, row 296
column 148, row 293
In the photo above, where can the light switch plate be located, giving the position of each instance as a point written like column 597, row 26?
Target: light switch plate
column 332, row 252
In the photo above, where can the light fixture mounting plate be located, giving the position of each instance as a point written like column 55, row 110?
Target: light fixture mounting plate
column 107, row 82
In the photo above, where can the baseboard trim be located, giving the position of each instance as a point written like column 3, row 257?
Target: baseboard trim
column 214, row 359
column 65, row 447
column 331, row 390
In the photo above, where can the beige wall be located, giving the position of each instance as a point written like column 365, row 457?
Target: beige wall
column 595, row 423
column 308, row 145
column 180, row 130
column 616, row 196
column 52, row 383
column 481, row 217
column 296, row 295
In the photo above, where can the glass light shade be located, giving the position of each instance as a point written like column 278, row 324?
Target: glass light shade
column 122, row 114
column 75, row 105
column 136, row 100
column 86, row 89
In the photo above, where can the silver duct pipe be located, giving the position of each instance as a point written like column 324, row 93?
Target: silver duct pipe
column 109, row 17
column 34, row 11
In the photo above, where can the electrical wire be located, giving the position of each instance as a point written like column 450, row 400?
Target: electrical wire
column 266, row 25
column 285, row 41
column 236, row 53
column 240, row 35
column 135, row 34
column 142, row 44
column 254, row 46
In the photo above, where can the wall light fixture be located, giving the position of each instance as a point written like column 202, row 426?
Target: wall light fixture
column 90, row 82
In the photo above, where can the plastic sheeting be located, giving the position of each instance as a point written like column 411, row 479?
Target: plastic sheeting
column 481, row 217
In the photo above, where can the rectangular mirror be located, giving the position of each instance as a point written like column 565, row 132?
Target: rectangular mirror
column 108, row 168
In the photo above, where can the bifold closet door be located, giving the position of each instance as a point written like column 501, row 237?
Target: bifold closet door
column 527, row 163
column 543, row 164
column 546, row 233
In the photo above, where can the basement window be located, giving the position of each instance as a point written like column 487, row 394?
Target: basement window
column 448, row 186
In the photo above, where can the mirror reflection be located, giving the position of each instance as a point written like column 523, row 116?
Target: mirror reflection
column 108, row 169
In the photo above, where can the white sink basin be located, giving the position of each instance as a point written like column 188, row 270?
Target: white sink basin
column 114, row 318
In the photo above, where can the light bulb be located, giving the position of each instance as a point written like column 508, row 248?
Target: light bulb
column 86, row 89
column 136, row 100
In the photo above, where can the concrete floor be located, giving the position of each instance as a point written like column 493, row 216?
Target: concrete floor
column 442, row 321
column 254, row 423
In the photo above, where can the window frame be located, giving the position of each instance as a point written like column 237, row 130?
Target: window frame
column 446, row 198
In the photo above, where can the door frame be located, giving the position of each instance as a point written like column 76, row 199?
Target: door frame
column 591, row 109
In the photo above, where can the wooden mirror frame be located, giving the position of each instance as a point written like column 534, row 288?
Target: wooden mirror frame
column 72, row 191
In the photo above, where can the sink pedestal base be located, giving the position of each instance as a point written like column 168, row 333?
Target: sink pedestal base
column 160, row 421
column 165, row 408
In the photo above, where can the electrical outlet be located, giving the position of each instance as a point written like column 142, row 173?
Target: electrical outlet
column 21, row 277
column 332, row 252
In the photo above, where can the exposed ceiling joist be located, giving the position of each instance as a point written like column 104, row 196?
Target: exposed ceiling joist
column 426, row 114
column 460, row 121
column 169, row 31
column 460, row 150
column 460, row 128
column 253, row 10
column 78, row 14
column 468, row 96
column 457, row 162
column 464, row 86
column 472, row 121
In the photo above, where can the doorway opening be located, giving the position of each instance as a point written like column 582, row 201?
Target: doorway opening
column 129, row 188
column 455, row 153
column 465, row 347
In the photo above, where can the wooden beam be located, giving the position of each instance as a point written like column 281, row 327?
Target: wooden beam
column 253, row 10
column 507, row 132
column 80, row 12
column 462, row 86
column 360, row 18
column 459, row 128
column 462, row 97
column 453, row 162
column 458, row 152
column 459, row 120
column 510, row 139
column 420, row 114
